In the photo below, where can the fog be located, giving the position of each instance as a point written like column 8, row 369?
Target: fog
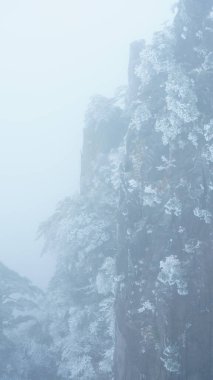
column 54, row 56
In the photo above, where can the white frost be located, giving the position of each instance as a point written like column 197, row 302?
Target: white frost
column 150, row 197
column 173, row 206
column 172, row 273
column 204, row 215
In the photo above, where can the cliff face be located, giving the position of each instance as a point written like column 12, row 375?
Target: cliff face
column 164, row 301
column 132, row 295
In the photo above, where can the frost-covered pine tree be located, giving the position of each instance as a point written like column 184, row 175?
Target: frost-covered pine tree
column 24, row 338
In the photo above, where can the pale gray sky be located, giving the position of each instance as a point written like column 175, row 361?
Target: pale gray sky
column 55, row 54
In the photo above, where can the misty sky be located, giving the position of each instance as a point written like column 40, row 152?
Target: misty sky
column 55, row 54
